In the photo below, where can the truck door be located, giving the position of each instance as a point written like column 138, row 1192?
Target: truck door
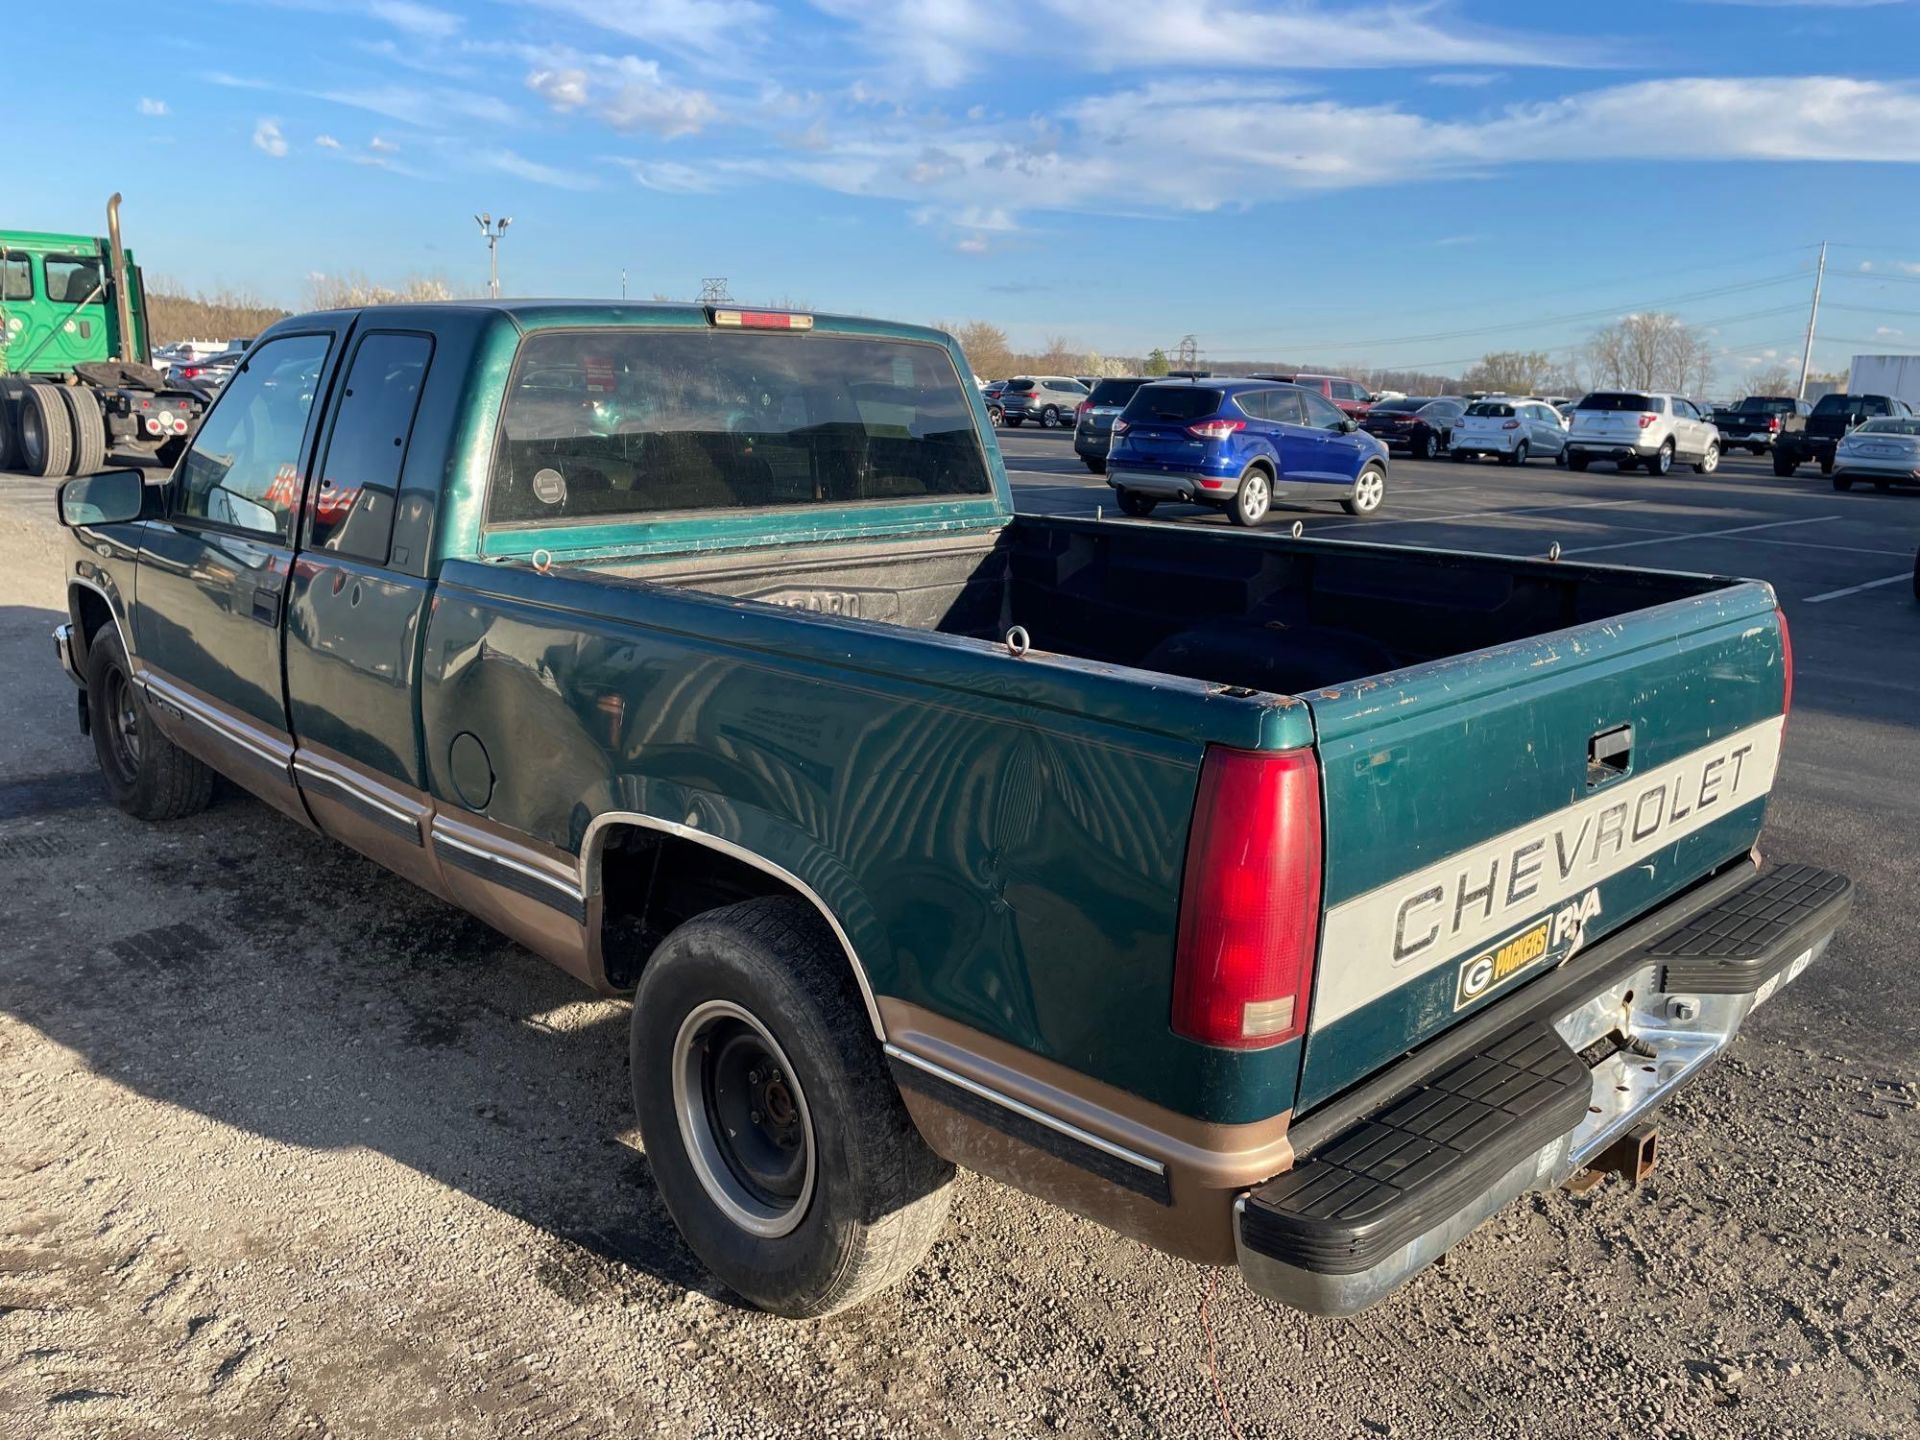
column 213, row 579
column 354, row 611
column 75, row 313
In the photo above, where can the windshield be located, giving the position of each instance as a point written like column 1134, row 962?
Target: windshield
column 1618, row 400
column 1852, row 405
column 1115, row 392
column 1890, row 425
column 1171, row 402
column 611, row 423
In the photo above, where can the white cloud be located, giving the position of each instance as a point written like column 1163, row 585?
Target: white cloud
column 562, row 89
column 509, row 162
column 383, row 146
column 268, row 139
column 151, row 107
column 1880, row 331
column 416, row 19
column 629, row 94
column 699, row 27
column 670, row 176
column 326, row 142
column 429, row 108
column 973, row 245
column 1467, row 79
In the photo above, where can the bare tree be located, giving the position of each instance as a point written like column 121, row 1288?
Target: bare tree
column 1651, row 352
column 173, row 315
column 985, row 346
column 1510, row 372
column 351, row 290
column 1773, row 379
column 1061, row 357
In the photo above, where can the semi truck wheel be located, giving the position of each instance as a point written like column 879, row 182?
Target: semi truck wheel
column 46, row 432
column 89, row 429
column 147, row 775
column 777, row 1137
column 7, row 443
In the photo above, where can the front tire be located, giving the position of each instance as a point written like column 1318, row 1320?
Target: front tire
column 1709, row 462
column 147, row 775
column 1843, row 482
column 777, row 1137
column 1253, row 500
column 1369, row 492
column 1133, row 503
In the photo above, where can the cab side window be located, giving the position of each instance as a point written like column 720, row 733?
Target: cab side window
column 244, row 468
column 1286, row 407
column 16, row 278
column 351, row 512
column 73, row 279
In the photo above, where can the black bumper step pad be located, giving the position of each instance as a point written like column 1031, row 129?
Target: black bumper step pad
column 1735, row 946
column 1399, row 1173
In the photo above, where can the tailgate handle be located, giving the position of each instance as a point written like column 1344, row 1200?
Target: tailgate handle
column 1609, row 755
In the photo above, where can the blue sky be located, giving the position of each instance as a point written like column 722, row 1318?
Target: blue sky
column 1355, row 183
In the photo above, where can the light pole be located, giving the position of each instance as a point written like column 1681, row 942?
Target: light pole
column 493, row 231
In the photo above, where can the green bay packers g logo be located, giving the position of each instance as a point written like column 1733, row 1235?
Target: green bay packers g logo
column 1491, row 969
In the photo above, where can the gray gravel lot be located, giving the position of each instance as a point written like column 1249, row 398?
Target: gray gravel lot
column 290, row 1149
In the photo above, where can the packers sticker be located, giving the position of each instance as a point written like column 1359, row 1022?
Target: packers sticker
column 1564, row 930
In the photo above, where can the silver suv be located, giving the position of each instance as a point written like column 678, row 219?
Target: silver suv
column 1048, row 400
column 1636, row 427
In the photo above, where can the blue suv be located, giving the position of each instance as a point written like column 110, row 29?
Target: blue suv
column 1236, row 444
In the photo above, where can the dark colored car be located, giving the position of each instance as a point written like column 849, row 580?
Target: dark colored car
column 1236, row 444
column 1816, row 437
column 1757, row 420
column 1419, row 424
column 1093, row 420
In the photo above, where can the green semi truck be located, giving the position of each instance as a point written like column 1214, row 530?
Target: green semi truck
column 1285, row 902
column 76, row 378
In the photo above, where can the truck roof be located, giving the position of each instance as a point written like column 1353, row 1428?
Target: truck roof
column 539, row 314
column 49, row 240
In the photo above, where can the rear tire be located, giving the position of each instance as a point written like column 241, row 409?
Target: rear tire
column 1050, row 418
column 1515, row 456
column 147, row 775
column 46, row 432
column 1577, row 463
column 1369, row 492
column 8, row 444
column 1422, row 448
column 1660, row 463
column 1254, row 499
column 777, row 1136
column 1709, row 462
column 1843, row 482
column 89, row 431
column 1784, row 465
column 1826, row 467
column 1460, row 457
column 1013, row 422
column 1133, row 503
column 1098, row 467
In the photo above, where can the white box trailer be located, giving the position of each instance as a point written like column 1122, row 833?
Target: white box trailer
column 1897, row 375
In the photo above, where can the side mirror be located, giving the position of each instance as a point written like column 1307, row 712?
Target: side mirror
column 111, row 497
column 1348, row 425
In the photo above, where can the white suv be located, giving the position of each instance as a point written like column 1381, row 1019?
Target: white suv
column 1512, row 429
column 1633, row 427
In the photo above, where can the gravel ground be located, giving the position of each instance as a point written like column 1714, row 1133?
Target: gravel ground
column 290, row 1149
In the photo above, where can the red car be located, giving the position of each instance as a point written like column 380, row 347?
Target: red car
column 1349, row 395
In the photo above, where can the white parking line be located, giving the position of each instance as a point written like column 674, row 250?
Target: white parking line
column 1856, row 589
column 1697, row 535
column 1483, row 514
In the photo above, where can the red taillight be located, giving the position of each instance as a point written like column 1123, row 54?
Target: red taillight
column 1083, row 407
column 1216, row 429
column 1250, row 900
column 1773, row 422
column 1120, row 427
column 761, row 319
column 1786, row 664
column 1646, row 420
column 192, row 372
column 1511, row 425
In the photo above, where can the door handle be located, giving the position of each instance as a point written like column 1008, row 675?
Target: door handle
column 1609, row 755
column 266, row 605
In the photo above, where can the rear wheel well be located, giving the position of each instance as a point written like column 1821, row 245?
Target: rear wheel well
column 652, row 882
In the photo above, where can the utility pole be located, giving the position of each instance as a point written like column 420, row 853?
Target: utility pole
column 623, row 282
column 1813, row 318
column 493, row 231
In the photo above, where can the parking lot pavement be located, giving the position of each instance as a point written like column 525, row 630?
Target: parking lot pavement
column 287, row 1148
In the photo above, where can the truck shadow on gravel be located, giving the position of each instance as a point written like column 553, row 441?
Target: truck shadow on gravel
column 243, row 969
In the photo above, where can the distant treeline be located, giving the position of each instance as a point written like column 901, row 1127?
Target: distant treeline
column 173, row 315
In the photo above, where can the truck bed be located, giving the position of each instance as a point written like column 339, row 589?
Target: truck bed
column 1263, row 612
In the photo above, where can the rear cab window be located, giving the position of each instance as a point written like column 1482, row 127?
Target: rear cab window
column 612, row 424
column 1490, row 410
column 1115, row 392
column 1629, row 400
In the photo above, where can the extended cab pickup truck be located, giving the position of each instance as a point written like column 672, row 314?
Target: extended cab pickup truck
column 1275, row 901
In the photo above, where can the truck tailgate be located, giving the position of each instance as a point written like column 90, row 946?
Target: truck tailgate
column 1488, row 815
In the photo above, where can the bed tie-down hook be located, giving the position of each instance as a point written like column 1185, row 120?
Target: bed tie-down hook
column 1017, row 642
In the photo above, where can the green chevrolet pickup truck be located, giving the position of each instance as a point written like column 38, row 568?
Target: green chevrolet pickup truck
column 1285, row 903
